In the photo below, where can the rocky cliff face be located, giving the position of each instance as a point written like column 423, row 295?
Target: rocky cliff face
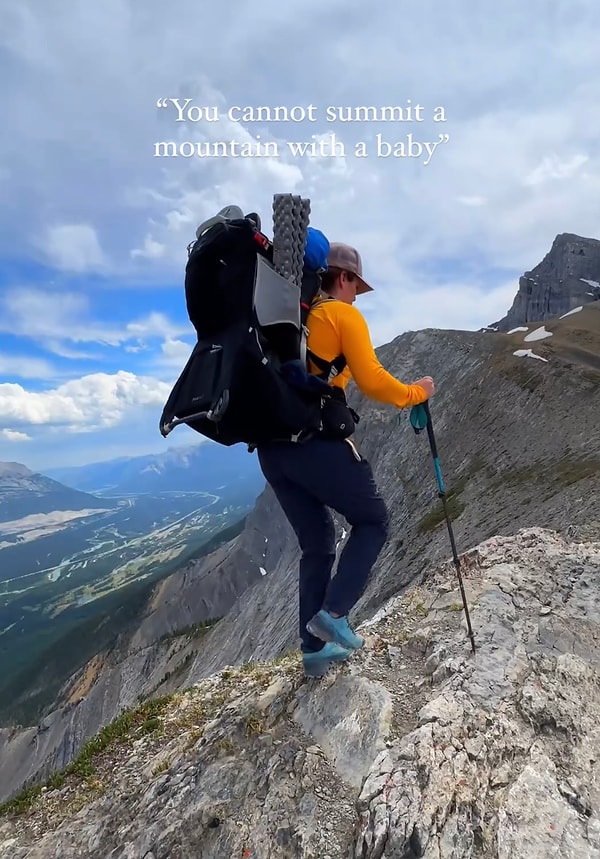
column 414, row 748
column 518, row 440
column 567, row 277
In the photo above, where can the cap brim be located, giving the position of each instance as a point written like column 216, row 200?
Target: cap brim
column 363, row 286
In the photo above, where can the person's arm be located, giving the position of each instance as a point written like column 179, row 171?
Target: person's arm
column 372, row 379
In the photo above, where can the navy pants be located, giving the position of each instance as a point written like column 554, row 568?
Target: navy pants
column 308, row 479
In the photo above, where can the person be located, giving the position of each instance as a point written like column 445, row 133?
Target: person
column 311, row 477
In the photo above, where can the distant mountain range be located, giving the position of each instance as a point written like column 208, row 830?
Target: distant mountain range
column 96, row 539
column 25, row 493
column 205, row 467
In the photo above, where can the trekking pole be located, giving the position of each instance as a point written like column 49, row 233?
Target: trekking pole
column 420, row 417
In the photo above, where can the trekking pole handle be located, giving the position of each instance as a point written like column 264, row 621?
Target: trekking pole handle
column 430, row 429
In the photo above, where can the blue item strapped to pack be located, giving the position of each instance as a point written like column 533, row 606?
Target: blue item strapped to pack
column 316, row 249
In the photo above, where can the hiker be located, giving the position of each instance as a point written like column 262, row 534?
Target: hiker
column 310, row 476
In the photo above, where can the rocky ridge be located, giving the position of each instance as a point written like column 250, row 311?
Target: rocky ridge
column 415, row 747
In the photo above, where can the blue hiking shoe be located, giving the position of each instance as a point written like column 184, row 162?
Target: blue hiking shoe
column 334, row 629
column 317, row 664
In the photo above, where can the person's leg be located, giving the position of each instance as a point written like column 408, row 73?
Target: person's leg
column 314, row 528
column 359, row 501
column 361, row 504
column 336, row 474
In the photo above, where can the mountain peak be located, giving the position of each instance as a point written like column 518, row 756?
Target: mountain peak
column 567, row 277
column 25, row 493
column 14, row 469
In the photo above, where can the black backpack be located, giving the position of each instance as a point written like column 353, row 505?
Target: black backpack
column 246, row 379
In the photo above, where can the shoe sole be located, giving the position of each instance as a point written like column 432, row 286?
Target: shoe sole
column 318, row 669
column 317, row 629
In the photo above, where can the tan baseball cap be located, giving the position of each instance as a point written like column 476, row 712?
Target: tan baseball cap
column 348, row 258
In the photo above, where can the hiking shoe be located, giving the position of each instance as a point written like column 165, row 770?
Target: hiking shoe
column 337, row 629
column 318, row 663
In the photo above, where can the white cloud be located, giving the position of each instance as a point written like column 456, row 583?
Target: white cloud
column 62, row 351
column 24, row 367
column 14, row 435
column 519, row 94
column 73, row 248
column 528, row 110
column 553, row 167
column 154, row 325
column 175, row 353
column 472, row 201
column 450, row 305
column 151, row 249
column 54, row 318
column 87, row 404
column 167, row 359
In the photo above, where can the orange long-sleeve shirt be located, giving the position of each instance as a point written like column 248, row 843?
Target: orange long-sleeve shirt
column 338, row 328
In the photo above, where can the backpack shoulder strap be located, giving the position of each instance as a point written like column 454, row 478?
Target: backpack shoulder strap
column 321, row 298
column 328, row 369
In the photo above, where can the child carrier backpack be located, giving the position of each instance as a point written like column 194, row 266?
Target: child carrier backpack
column 248, row 298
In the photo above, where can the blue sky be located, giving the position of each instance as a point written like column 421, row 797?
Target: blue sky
column 94, row 227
